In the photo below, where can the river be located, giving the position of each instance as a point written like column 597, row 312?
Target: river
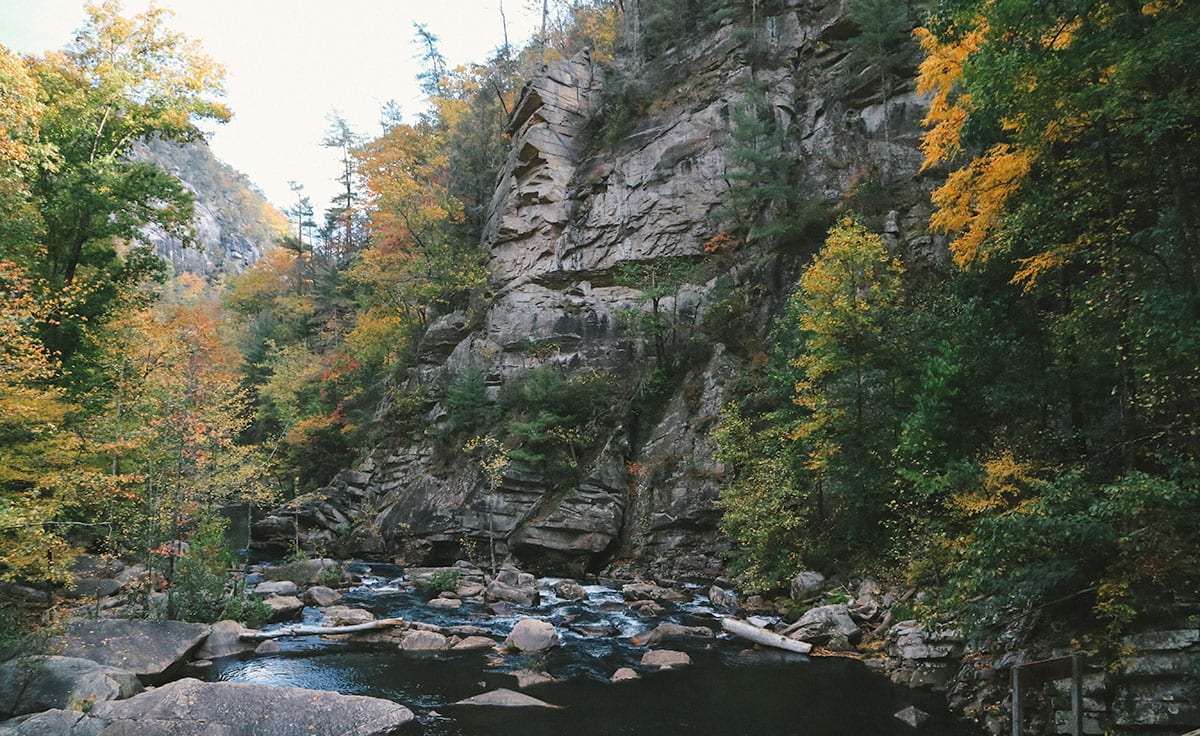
column 729, row 689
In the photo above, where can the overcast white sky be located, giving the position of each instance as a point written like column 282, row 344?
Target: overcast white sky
column 291, row 62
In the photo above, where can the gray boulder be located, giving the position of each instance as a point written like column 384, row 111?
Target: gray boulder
column 651, row 592
column 666, row 659
column 347, row 616
column 225, row 641
column 303, row 571
column 806, row 584
column 569, row 590
column 321, row 596
column 668, row 630
column 624, row 674
column 42, row 683
column 531, row 635
column 499, row 591
column 268, row 588
column 198, row 708
column 421, row 642
column 505, row 698
column 284, row 607
column 824, row 623
column 152, row 650
column 270, row 646
column 474, row 643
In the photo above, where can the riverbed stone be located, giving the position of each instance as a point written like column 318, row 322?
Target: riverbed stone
column 500, row 591
column 446, row 604
column 668, row 630
column 824, row 623
column 420, row 642
column 321, row 596
column 912, row 716
column 302, row 571
column 531, row 635
column 722, row 599
column 282, row 588
column 505, row 698
column 806, row 584
column 526, row 680
column 474, row 643
column 625, row 674
column 346, row 616
column 198, row 708
column 152, row 650
column 34, row 684
column 270, row 646
column 666, row 659
column 651, row 592
column 569, row 590
column 225, row 641
column 284, row 607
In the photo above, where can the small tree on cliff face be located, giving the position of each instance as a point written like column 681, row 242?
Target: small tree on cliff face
column 886, row 46
column 849, row 321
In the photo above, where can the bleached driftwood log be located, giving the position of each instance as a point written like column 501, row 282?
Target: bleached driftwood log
column 382, row 623
column 750, row 632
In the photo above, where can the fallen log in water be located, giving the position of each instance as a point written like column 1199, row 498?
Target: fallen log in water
column 750, row 632
column 382, row 623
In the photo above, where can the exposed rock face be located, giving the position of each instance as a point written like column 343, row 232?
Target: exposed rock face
column 152, row 650
column 565, row 217
column 43, row 683
column 220, row 708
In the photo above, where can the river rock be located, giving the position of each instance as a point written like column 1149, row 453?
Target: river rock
column 806, row 584
column 722, row 599
column 302, row 571
column 445, row 604
column 321, row 596
column 474, row 643
column 152, row 650
column 34, row 684
column 282, row 588
column 666, row 659
column 646, row 609
column 419, row 642
column 499, row 591
column 823, row 624
column 652, row 592
column 625, row 674
column 569, row 590
column 531, row 635
column 527, row 680
column 225, row 641
column 912, row 715
column 198, row 708
column 270, row 646
column 284, row 607
column 505, row 698
column 668, row 630
column 514, row 577
column 347, row 616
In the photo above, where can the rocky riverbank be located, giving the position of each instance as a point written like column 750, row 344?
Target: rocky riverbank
column 104, row 668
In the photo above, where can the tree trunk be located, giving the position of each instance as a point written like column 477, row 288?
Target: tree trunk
column 750, row 632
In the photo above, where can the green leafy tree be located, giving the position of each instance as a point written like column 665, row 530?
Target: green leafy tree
column 851, row 387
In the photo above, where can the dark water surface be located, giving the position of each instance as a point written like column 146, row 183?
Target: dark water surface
column 728, row 690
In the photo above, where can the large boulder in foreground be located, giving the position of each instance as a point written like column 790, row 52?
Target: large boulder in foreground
column 152, row 650
column 192, row 708
column 43, row 683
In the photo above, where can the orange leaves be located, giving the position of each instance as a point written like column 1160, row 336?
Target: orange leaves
column 972, row 200
column 939, row 75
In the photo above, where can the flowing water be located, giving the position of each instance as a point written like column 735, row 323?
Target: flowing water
column 728, row 690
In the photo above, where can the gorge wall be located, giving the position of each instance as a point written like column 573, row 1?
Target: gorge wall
column 568, row 214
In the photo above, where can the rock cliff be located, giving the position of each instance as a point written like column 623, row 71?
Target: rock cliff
column 567, row 215
column 233, row 222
